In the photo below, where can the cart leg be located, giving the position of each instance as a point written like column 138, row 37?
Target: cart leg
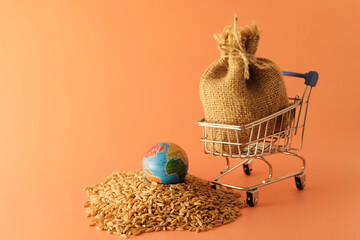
column 270, row 169
column 227, row 166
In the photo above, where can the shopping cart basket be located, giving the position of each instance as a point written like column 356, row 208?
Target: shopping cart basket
column 265, row 138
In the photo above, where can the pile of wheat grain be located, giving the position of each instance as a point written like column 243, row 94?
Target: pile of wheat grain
column 127, row 204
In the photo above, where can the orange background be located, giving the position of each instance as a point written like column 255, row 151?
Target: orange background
column 86, row 87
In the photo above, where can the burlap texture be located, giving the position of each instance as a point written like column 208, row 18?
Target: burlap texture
column 239, row 88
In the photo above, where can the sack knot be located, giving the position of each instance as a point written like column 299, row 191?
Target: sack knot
column 240, row 43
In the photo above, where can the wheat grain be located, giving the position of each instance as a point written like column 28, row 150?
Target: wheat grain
column 127, row 204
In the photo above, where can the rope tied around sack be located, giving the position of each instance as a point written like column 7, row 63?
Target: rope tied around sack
column 230, row 44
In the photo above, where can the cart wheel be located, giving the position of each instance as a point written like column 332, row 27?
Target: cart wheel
column 300, row 181
column 247, row 168
column 252, row 197
column 215, row 186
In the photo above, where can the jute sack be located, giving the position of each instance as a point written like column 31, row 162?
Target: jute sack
column 240, row 88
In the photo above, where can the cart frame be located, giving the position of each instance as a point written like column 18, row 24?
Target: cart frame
column 264, row 140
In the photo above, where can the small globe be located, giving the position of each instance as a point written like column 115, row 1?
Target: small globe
column 165, row 163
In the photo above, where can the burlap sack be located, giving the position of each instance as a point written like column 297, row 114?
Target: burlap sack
column 240, row 88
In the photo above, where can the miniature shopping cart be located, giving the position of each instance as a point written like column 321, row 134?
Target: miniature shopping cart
column 264, row 139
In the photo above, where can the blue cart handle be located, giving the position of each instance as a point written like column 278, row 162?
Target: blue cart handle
column 311, row 77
